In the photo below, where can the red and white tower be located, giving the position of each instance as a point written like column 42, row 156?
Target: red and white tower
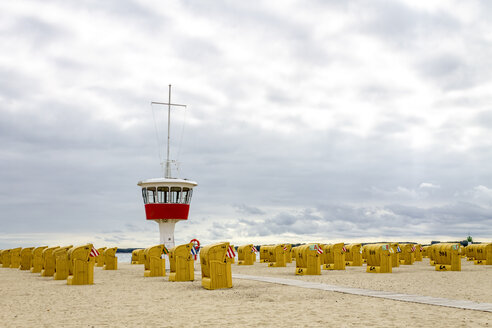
column 167, row 200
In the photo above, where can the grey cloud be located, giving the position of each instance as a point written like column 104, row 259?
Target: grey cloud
column 12, row 84
column 131, row 12
column 402, row 26
column 251, row 210
column 348, row 221
column 39, row 31
column 484, row 119
column 449, row 71
column 199, row 50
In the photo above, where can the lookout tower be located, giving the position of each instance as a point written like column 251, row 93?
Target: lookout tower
column 167, row 200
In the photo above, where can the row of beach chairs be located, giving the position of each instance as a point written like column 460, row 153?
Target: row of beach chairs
column 379, row 258
column 214, row 260
column 74, row 264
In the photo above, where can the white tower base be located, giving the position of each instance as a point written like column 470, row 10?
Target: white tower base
column 166, row 230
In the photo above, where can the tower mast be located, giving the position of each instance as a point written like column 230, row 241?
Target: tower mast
column 167, row 172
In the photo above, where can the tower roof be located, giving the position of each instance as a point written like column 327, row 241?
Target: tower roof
column 158, row 182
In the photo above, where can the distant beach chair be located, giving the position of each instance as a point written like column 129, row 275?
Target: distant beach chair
column 216, row 271
column 287, row 249
column 447, row 257
column 334, row 256
column 37, row 259
column 471, row 252
column 353, row 256
column 26, row 258
column 276, row 254
column 431, row 251
column 81, row 268
column 308, row 260
column 110, row 259
column 293, row 251
column 264, row 253
column 379, row 258
column 100, row 258
column 182, row 263
column 61, row 262
column 395, row 255
column 418, row 253
column 483, row 254
column 138, row 256
column 246, row 255
column 15, row 258
column 363, row 254
column 425, row 251
column 6, row 258
column 154, row 265
column 407, row 255
column 48, row 262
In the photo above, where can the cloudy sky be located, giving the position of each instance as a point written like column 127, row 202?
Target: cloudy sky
column 306, row 120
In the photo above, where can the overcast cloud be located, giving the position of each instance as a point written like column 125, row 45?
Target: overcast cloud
column 306, row 121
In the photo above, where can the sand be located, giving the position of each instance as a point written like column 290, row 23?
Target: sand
column 124, row 298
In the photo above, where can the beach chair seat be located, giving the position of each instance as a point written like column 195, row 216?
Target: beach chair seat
column 216, row 271
column 182, row 263
column 26, row 258
column 110, row 259
column 154, row 265
column 308, row 260
column 333, row 257
column 81, row 268
column 379, row 258
column 246, row 255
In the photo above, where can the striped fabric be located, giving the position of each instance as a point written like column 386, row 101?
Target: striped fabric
column 230, row 252
column 94, row 252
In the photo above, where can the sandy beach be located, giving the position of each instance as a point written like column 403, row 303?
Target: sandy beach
column 124, row 298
